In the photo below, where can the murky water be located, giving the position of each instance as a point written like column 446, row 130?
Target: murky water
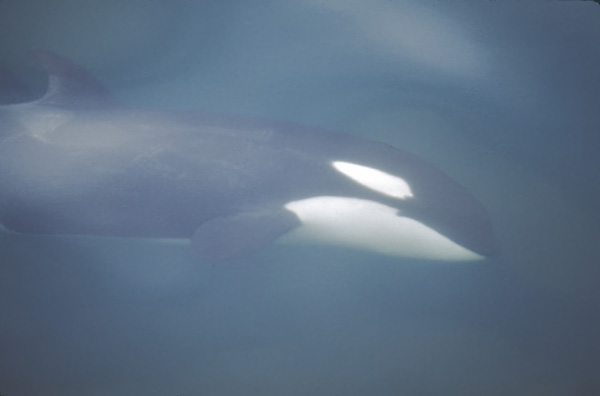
column 503, row 97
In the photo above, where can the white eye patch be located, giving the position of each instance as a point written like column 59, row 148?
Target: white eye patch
column 375, row 179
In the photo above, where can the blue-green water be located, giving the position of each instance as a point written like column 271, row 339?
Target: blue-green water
column 503, row 97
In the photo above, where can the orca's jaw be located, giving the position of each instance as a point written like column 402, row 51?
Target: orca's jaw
column 371, row 226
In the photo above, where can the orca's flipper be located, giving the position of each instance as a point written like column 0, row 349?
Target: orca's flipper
column 228, row 238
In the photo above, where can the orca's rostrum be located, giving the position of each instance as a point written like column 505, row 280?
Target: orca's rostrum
column 73, row 162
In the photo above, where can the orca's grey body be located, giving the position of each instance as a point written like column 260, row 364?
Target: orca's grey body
column 75, row 163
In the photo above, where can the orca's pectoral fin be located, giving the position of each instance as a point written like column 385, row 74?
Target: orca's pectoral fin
column 228, row 238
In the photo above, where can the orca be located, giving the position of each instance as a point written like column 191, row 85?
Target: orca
column 74, row 162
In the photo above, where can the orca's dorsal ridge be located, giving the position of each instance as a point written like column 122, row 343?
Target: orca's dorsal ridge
column 70, row 85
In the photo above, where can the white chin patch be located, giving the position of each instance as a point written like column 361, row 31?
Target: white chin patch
column 375, row 179
column 370, row 226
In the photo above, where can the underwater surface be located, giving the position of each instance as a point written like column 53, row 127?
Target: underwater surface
column 504, row 97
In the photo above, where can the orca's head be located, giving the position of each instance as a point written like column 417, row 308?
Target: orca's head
column 420, row 213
